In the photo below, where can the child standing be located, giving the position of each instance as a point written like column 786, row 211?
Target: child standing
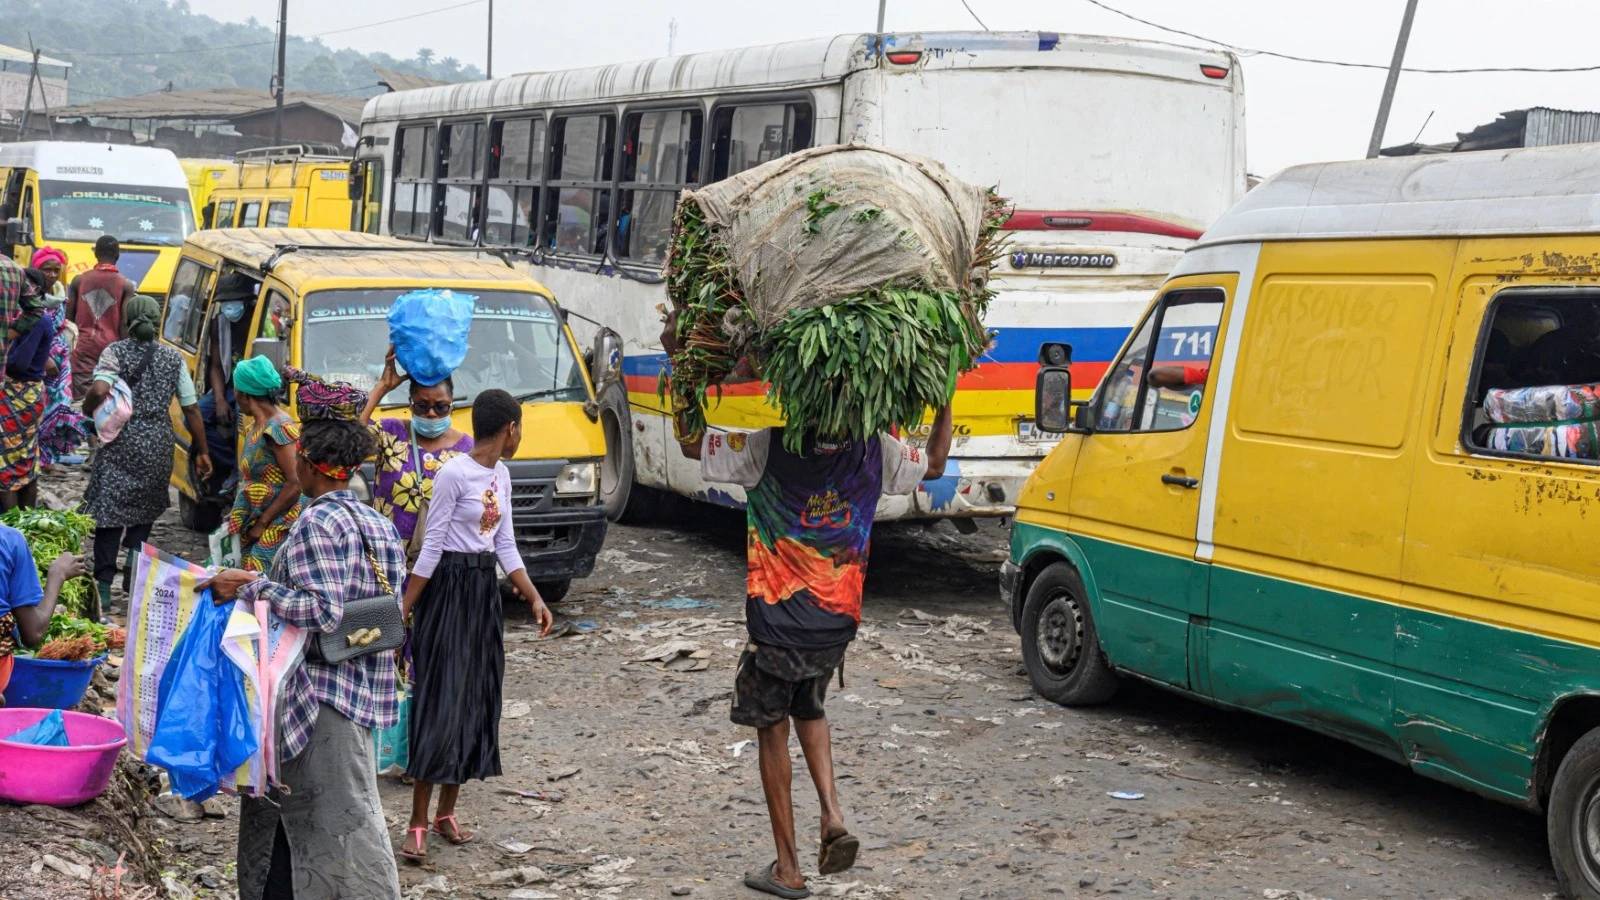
column 458, row 659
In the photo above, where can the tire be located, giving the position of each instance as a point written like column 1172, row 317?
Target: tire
column 1572, row 820
column 197, row 516
column 554, row 591
column 616, row 469
column 1059, row 644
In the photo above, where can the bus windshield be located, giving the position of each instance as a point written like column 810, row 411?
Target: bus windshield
column 135, row 214
column 516, row 344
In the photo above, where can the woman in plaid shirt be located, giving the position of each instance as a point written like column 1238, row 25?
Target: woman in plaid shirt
column 325, row 836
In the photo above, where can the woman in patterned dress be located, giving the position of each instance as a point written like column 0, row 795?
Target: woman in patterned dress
column 268, row 499
column 22, row 394
column 63, row 429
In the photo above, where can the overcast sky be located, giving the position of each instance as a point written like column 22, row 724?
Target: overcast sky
column 1297, row 112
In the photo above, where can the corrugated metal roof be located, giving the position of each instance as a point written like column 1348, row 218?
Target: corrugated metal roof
column 400, row 81
column 1551, row 127
column 218, row 103
column 17, row 54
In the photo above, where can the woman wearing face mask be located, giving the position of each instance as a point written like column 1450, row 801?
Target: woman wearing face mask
column 268, row 500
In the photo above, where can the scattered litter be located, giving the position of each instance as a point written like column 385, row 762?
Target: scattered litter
column 909, row 733
column 677, row 656
column 1125, row 795
column 515, row 709
column 626, row 563
column 1062, row 781
column 1047, row 726
column 515, row 848
column 546, row 796
column 688, row 753
column 1096, row 754
column 563, row 774
column 995, row 720
column 584, row 626
column 69, row 869
column 738, row 747
column 438, row 884
column 530, row 894
column 679, row 603
column 1277, row 894
column 608, row 873
column 521, row 875
column 872, row 704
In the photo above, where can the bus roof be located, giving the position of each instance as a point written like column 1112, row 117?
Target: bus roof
column 399, row 262
column 776, row 67
column 1549, row 190
column 95, row 162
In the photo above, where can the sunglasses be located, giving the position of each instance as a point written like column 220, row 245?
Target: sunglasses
column 424, row 408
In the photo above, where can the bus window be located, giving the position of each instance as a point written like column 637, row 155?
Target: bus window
column 278, row 214
column 413, row 182
column 661, row 152
column 744, row 137
column 225, row 211
column 578, row 208
column 371, row 212
column 516, row 165
column 250, row 216
column 462, row 154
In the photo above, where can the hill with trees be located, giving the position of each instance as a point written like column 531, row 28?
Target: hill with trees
column 124, row 47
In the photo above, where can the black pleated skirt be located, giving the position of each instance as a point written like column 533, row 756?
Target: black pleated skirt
column 457, row 663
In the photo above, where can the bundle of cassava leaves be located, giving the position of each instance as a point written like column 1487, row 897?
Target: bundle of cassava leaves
column 844, row 367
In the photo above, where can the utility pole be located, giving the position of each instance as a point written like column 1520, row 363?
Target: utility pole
column 489, row 65
column 882, row 4
column 1380, row 126
column 277, row 80
column 672, row 35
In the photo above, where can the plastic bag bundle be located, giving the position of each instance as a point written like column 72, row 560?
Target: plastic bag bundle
column 1544, row 404
column 50, row 731
column 429, row 330
column 1574, row 440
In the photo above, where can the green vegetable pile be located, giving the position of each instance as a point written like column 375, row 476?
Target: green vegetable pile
column 51, row 533
column 857, row 367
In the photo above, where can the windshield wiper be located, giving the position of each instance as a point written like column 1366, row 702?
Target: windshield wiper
column 531, row 396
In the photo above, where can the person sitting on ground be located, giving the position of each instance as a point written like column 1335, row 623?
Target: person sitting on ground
column 95, row 304
column 810, row 523
column 458, row 658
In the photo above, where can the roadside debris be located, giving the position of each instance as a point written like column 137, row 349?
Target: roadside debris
column 739, row 747
column 679, row 603
column 1125, row 795
column 688, row 753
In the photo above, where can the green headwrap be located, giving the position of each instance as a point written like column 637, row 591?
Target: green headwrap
column 142, row 316
column 256, row 377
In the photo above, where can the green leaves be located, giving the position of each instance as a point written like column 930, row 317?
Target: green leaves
column 51, row 533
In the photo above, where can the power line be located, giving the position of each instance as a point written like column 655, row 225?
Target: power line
column 974, row 15
column 1249, row 51
column 267, row 43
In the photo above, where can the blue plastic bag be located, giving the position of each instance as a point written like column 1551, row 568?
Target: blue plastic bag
column 50, row 731
column 394, row 743
column 203, row 728
column 429, row 329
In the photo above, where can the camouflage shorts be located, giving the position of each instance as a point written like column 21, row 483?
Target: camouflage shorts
column 775, row 683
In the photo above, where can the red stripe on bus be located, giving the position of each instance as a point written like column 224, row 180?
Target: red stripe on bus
column 986, row 377
column 1041, row 220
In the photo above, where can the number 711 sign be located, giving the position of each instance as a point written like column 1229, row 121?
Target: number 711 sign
column 1179, row 344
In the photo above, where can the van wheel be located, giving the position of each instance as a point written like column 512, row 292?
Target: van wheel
column 616, row 469
column 554, row 591
column 197, row 516
column 1573, row 820
column 1059, row 643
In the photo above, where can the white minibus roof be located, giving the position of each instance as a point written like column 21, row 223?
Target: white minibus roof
column 96, row 163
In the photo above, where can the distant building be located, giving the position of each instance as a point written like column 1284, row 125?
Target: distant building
column 1536, row 127
column 16, row 72
column 216, row 122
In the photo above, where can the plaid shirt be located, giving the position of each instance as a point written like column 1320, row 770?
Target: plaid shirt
column 319, row 566
column 11, row 284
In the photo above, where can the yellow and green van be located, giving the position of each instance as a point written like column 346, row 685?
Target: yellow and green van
column 1298, row 492
column 322, row 307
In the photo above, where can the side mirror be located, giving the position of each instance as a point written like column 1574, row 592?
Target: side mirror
column 1052, row 400
column 273, row 349
column 356, row 184
column 606, row 368
column 19, row 231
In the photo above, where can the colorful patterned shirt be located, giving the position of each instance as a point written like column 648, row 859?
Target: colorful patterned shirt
column 406, row 472
column 321, row 565
column 810, row 525
column 11, row 285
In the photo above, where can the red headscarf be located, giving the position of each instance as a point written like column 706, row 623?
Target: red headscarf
column 46, row 254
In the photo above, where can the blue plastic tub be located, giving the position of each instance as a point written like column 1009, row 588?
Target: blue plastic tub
column 49, row 683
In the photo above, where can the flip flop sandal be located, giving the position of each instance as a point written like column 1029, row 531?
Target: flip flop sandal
column 762, row 880
column 422, row 842
column 838, row 854
column 457, row 840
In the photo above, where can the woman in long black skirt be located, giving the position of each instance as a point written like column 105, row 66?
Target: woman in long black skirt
column 453, row 601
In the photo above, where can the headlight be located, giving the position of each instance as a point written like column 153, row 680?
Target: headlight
column 575, row 480
column 363, row 491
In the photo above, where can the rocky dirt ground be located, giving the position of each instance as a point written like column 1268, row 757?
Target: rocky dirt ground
column 960, row 781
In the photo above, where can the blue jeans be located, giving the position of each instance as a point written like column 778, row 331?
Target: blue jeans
column 223, row 444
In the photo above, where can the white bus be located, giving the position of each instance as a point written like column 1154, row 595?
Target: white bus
column 1115, row 153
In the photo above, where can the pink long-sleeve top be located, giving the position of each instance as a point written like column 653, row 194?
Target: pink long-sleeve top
column 469, row 512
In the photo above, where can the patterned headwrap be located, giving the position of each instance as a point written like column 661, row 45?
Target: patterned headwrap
column 47, row 254
column 322, row 399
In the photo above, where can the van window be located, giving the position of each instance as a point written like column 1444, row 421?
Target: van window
column 186, row 304
column 250, row 216
column 1161, row 379
column 516, row 165
column 278, row 214
column 661, row 151
column 225, row 211
column 743, row 137
column 277, row 321
column 577, row 209
column 1537, row 390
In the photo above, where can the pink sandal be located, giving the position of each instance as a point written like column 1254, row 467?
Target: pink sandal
column 422, row 845
column 458, row 840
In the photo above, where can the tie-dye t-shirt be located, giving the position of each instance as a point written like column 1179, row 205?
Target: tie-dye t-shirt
column 810, row 525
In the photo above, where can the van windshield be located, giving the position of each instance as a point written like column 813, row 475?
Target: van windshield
column 516, row 344
column 134, row 214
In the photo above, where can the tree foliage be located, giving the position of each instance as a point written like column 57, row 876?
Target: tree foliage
column 123, row 47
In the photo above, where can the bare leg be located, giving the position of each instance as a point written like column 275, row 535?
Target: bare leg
column 817, row 744
column 776, row 773
column 8, row 500
column 29, row 495
column 452, row 831
column 421, row 797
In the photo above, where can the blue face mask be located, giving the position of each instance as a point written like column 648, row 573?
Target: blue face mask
column 430, row 428
column 232, row 310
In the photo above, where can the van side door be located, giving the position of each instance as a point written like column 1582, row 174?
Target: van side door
column 182, row 323
column 1136, row 489
column 1502, row 615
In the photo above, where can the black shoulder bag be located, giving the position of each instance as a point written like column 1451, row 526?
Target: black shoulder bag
column 370, row 624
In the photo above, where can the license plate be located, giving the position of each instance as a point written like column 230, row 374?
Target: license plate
column 1027, row 434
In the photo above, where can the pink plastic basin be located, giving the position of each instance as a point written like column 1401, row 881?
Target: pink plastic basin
column 58, row 776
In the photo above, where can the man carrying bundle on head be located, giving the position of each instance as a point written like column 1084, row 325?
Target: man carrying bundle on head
column 850, row 280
